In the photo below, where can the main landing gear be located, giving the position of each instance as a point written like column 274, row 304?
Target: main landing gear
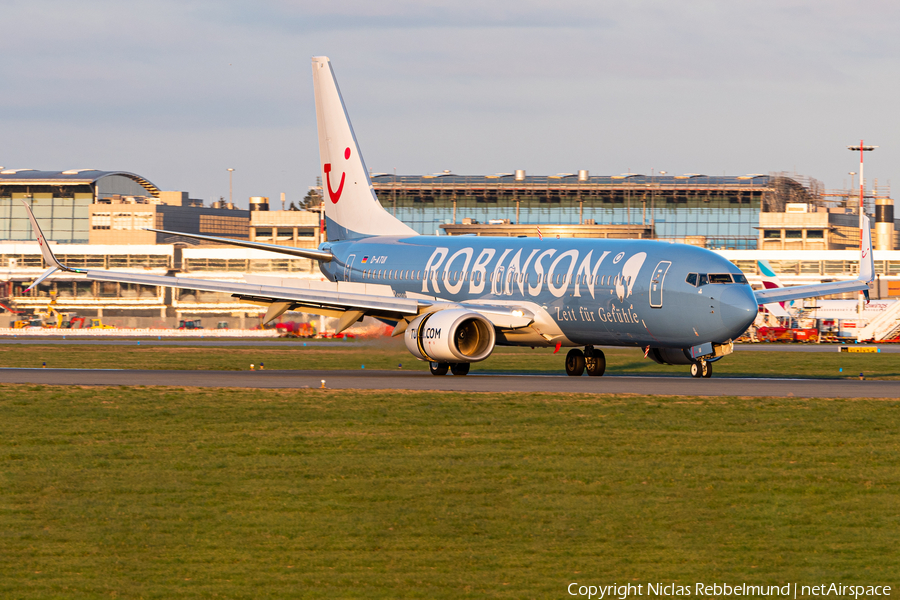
column 591, row 360
column 701, row 368
column 438, row 368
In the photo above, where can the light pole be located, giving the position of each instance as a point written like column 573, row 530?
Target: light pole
column 862, row 183
column 653, row 205
column 852, row 174
column 230, row 187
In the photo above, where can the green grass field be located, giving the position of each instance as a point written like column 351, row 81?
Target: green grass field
column 199, row 493
column 391, row 353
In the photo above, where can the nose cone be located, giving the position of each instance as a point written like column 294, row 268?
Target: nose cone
column 738, row 308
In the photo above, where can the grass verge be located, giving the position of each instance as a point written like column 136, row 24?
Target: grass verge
column 196, row 493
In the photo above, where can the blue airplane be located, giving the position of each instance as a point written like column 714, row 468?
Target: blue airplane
column 455, row 298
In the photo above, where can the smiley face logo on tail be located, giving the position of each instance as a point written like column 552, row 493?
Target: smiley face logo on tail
column 335, row 195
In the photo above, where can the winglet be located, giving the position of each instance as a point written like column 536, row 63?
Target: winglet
column 47, row 253
column 41, row 240
column 43, row 276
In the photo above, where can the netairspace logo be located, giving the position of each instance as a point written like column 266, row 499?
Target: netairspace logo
column 790, row 590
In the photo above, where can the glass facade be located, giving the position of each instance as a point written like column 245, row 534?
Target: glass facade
column 61, row 201
column 64, row 220
column 724, row 210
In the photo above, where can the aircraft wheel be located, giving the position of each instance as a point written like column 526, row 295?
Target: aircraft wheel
column 696, row 370
column 575, row 363
column 594, row 362
column 437, row 368
column 459, row 368
column 707, row 370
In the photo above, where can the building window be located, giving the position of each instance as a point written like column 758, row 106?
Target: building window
column 220, row 225
column 772, row 234
column 815, row 234
column 793, row 234
column 100, row 221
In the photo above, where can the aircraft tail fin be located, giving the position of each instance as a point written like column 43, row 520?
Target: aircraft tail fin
column 352, row 210
column 770, row 281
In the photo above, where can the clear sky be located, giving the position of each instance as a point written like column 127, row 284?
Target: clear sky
column 180, row 90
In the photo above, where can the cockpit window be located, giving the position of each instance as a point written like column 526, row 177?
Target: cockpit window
column 701, row 279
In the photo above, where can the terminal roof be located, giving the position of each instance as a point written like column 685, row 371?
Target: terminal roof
column 70, row 177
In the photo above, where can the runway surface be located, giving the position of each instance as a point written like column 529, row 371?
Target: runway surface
column 379, row 380
column 885, row 348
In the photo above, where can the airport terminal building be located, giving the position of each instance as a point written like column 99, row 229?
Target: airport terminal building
column 717, row 212
column 83, row 206
column 96, row 219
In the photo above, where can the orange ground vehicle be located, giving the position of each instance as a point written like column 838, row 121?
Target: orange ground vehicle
column 294, row 329
column 785, row 334
column 87, row 323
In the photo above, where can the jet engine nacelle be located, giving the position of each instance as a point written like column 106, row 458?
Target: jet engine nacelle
column 671, row 356
column 453, row 335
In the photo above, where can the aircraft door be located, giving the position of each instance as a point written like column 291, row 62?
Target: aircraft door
column 349, row 267
column 656, row 283
column 497, row 284
column 510, row 281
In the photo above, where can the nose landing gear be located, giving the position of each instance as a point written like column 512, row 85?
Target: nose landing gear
column 701, row 368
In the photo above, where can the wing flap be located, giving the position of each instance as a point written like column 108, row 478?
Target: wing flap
column 299, row 296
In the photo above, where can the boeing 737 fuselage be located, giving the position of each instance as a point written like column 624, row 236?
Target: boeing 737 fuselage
column 603, row 292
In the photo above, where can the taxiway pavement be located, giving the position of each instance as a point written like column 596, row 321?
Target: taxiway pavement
column 287, row 343
column 418, row 381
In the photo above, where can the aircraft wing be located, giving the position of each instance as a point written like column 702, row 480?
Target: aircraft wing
column 350, row 301
column 796, row 292
column 861, row 284
column 321, row 255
